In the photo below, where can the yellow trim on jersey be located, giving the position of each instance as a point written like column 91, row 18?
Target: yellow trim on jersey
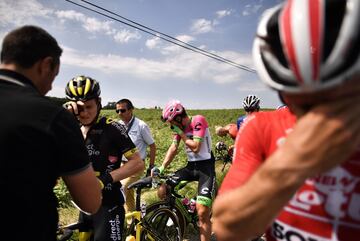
column 130, row 152
column 197, row 138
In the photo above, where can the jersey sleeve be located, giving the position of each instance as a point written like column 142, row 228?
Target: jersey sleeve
column 72, row 156
column 121, row 139
column 247, row 157
column 199, row 127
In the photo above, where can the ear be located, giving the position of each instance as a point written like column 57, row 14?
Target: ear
column 45, row 66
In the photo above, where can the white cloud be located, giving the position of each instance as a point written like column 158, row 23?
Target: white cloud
column 223, row 13
column 93, row 25
column 153, row 42
column 201, row 26
column 185, row 65
column 124, row 36
column 251, row 9
column 16, row 13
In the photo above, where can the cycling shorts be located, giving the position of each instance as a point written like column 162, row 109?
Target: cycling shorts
column 204, row 173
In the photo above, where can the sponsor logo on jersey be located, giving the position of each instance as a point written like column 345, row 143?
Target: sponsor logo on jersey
column 113, row 159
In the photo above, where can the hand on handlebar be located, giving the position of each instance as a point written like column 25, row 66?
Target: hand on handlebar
column 157, row 171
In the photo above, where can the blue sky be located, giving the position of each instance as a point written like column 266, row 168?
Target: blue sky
column 132, row 64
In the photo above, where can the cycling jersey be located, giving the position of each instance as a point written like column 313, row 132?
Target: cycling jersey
column 39, row 142
column 197, row 129
column 325, row 208
column 106, row 142
column 240, row 120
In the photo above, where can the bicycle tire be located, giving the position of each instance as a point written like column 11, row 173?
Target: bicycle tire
column 175, row 209
column 164, row 223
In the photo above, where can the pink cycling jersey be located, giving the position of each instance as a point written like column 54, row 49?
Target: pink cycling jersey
column 326, row 207
column 198, row 130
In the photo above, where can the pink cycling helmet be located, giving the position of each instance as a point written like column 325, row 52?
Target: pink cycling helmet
column 304, row 46
column 172, row 109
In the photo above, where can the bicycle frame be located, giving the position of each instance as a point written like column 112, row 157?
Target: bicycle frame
column 141, row 223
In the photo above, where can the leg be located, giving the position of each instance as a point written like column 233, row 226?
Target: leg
column 109, row 223
column 130, row 194
column 204, row 222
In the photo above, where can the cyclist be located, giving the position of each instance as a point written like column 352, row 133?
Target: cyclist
column 39, row 140
column 300, row 181
column 251, row 103
column 140, row 134
column 106, row 141
column 194, row 132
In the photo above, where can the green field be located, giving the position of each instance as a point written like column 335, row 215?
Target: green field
column 163, row 138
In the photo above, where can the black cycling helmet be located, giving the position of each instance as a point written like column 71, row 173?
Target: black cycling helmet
column 251, row 103
column 82, row 88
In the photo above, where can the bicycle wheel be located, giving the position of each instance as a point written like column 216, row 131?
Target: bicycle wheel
column 164, row 224
column 164, row 204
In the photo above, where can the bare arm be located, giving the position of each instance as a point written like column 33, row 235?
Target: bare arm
column 170, row 154
column 84, row 189
column 194, row 145
column 134, row 165
column 152, row 153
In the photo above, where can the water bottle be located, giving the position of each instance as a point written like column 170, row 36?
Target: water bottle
column 143, row 209
column 192, row 205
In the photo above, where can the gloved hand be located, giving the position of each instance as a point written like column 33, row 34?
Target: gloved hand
column 148, row 170
column 176, row 129
column 74, row 107
column 105, row 179
column 156, row 171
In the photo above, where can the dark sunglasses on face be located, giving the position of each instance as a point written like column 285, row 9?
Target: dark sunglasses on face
column 121, row 110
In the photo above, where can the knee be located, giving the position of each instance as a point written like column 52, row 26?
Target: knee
column 162, row 191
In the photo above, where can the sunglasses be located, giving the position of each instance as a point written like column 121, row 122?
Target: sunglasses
column 121, row 110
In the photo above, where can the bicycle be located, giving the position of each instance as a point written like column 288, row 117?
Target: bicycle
column 161, row 224
column 183, row 207
column 223, row 153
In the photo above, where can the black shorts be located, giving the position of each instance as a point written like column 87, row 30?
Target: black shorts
column 204, row 173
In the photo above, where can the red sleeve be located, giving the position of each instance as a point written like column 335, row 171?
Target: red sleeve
column 248, row 154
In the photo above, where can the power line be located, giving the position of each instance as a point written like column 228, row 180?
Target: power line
column 159, row 34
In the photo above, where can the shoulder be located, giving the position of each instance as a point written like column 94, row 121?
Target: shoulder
column 112, row 124
column 270, row 118
column 198, row 118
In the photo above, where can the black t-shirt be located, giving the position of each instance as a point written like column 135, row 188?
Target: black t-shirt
column 106, row 142
column 39, row 141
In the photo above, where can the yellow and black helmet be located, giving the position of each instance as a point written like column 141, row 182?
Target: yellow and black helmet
column 82, row 88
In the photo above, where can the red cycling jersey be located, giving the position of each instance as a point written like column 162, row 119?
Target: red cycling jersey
column 326, row 207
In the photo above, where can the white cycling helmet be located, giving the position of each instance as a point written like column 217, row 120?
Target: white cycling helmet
column 251, row 103
column 304, row 46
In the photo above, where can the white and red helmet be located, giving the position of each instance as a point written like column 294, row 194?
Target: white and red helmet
column 172, row 109
column 304, row 46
